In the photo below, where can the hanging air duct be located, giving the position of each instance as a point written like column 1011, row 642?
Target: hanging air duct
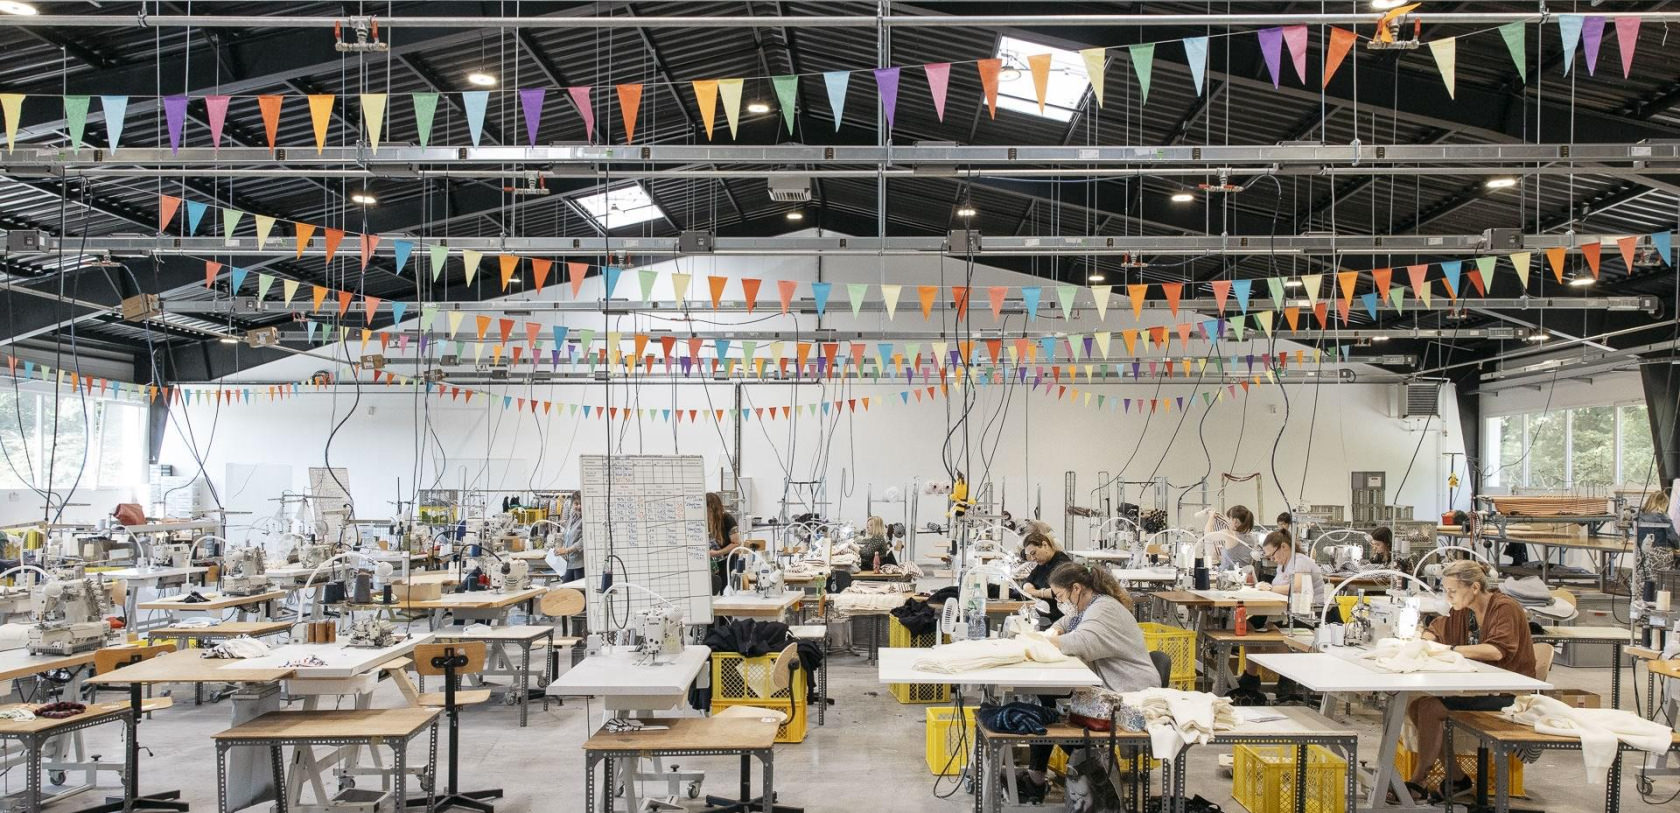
column 790, row 188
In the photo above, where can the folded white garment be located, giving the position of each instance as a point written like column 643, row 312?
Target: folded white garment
column 1599, row 730
column 1417, row 655
column 967, row 656
column 856, row 601
column 1176, row 718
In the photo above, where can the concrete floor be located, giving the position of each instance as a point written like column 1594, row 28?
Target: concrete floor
column 869, row 756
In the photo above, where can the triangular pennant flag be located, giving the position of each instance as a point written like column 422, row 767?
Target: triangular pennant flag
column 1569, row 27
column 730, row 90
column 989, row 70
column 1445, row 52
column 854, row 295
column 75, row 117
column 368, row 244
column 1274, row 287
column 1484, row 272
column 1516, row 42
column 1065, row 294
column 471, row 259
column 1100, row 295
column 629, row 105
column 236, row 279
column 1135, row 295
column 1592, row 35
column 1627, row 245
column 586, row 109
column 819, row 295
column 116, row 110
column 1663, row 242
column 785, row 289
column 1627, row 39
column 645, row 277
column 610, row 275
column 1292, row 315
column 1347, row 281
column 1450, row 271
column 1271, row 47
column 288, row 289
column 320, row 113
column 836, row 83
column 959, row 300
column 1416, row 274
column 1519, row 261
column 1341, row 41
column 265, row 225
column 343, row 305
column 1039, row 65
column 212, row 269
column 475, row 102
column 995, row 295
column 1311, row 283
column 705, row 97
column 575, row 272
column 373, row 115
column 1243, row 288
column 1029, row 299
column 531, row 107
column 1264, row 318
column 174, row 113
column 1143, row 62
column 1381, row 278
column 1096, row 60
column 539, row 271
column 195, row 214
column 787, row 96
column 264, row 283
column 270, row 106
column 1221, row 292
column 1296, row 38
column 889, row 296
column 1370, row 300
column 1555, row 257
column 509, row 266
column 333, row 237
column 927, row 293
column 168, row 205
column 398, row 309
column 1195, row 55
column 1397, row 296
column 402, row 249
column 439, row 254
column 370, row 308
column 425, row 109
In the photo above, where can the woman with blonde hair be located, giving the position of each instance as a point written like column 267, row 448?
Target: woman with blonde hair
column 875, row 550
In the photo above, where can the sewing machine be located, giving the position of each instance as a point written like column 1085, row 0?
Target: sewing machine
column 371, row 633
column 661, row 632
column 512, row 576
column 172, row 554
column 244, row 573
column 70, row 617
column 311, row 554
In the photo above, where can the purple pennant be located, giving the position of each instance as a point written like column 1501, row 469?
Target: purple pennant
column 175, row 110
column 1592, row 35
column 886, row 81
column 531, row 102
column 1271, row 46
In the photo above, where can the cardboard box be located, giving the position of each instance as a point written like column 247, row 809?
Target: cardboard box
column 422, row 591
column 1578, row 698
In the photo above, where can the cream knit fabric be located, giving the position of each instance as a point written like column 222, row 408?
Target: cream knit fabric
column 967, row 656
column 1599, row 730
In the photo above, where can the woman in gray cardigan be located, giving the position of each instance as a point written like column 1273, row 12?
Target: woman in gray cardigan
column 1097, row 627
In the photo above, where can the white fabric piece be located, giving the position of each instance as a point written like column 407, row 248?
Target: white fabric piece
column 857, row 601
column 1599, row 730
column 967, row 656
column 241, row 647
column 1176, row 718
column 1417, row 655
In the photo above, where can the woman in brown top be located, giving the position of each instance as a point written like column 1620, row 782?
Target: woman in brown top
column 1484, row 625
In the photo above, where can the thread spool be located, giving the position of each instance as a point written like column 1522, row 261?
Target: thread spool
column 1664, row 600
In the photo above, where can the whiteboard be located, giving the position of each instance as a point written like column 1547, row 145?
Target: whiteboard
column 657, row 536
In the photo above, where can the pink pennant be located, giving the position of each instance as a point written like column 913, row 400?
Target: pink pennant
column 1295, row 36
column 786, row 288
column 938, row 77
column 217, row 107
column 1627, row 38
column 580, row 97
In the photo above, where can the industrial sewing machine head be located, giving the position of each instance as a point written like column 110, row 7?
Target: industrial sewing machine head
column 244, row 573
column 660, row 632
column 511, row 576
column 311, row 553
column 372, row 633
column 70, row 617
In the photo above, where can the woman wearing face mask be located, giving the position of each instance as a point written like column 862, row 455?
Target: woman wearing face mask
column 1484, row 625
column 1098, row 628
column 1042, row 550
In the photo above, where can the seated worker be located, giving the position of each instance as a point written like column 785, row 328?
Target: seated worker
column 1286, row 523
column 1098, row 628
column 1042, row 550
column 1484, row 625
column 1382, row 549
column 1238, row 542
column 875, row 544
column 1279, row 549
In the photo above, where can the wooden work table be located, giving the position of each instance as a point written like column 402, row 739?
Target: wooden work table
column 16, row 663
column 189, row 667
column 215, row 602
column 226, row 629
column 328, row 723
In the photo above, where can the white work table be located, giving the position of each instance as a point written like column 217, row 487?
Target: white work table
column 624, row 682
column 342, row 660
column 1340, row 670
column 1103, row 555
column 1144, row 574
column 1251, row 595
column 151, row 574
column 897, row 665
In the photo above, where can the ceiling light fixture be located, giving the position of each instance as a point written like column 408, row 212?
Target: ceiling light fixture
column 966, row 211
column 1501, row 183
column 1581, row 281
column 1379, row 338
column 796, row 215
column 758, row 107
column 1385, row 5
column 19, row 9
column 481, row 79
column 1539, row 337
column 229, row 340
column 363, row 198
column 1291, row 283
column 1095, row 276
column 1183, row 197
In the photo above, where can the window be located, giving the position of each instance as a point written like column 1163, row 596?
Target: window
column 624, row 206
column 84, row 443
column 1593, row 449
column 1062, row 93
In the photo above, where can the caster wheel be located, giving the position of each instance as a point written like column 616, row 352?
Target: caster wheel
column 57, row 777
column 618, row 793
column 509, row 700
column 694, row 790
column 1645, row 786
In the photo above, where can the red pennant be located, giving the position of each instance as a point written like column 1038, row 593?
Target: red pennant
column 1322, row 311
column 959, row 298
column 1476, row 280
column 749, row 290
column 506, row 326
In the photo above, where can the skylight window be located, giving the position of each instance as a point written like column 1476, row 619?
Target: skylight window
column 624, row 206
column 1015, row 83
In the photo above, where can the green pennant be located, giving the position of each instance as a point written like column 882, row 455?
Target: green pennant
column 439, row 253
column 427, row 314
column 646, row 277
column 1275, row 286
column 264, row 282
column 230, row 221
column 1238, row 325
column 787, row 95
column 1397, row 295
column 75, row 114
column 425, row 107
column 1143, row 61
column 855, row 292
column 1516, row 41
column 1065, row 294
column 1486, row 266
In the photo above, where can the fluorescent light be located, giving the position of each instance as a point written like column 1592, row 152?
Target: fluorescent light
column 1385, row 5
column 20, row 9
column 966, row 211
column 516, row 280
column 624, row 206
column 228, row 340
column 481, row 79
column 1379, row 338
column 1581, row 281
column 1501, row 183
column 758, row 107
column 1291, row 283
column 1539, row 337
column 1062, row 93
column 1183, row 197
column 1095, row 276
column 363, row 198
column 796, row 215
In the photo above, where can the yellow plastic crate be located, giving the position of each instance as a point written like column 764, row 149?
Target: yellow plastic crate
column 1263, row 779
column 948, row 746
column 1175, row 641
column 738, row 681
column 1405, row 760
column 897, row 637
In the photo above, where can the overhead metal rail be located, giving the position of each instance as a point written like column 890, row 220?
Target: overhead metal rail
column 908, row 20
column 401, row 160
column 1496, row 241
column 1169, row 387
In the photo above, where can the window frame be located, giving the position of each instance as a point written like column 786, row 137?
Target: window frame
column 1521, row 477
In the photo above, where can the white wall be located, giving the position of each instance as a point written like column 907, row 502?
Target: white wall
column 1029, row 448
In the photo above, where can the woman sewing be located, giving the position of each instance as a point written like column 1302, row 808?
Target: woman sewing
column 1236, row 543
column 1041, row 549
column 724, row 535
column 875, row 550
column 1279, row 549
column 1098, row 628
column 1484, row 625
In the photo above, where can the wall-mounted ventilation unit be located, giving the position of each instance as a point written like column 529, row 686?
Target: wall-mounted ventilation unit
column 1420, row 399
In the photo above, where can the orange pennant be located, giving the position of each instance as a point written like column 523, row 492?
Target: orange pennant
column 270, row 115
column 371, row 304
column 1292, row 315
column 369, row 242
column 996, row 293
column 927, row 293
column 343, row 303
column 1341, row 41
column 1555, row 258
column 1039, row 64
column 716, row 284
column 1322, row 311
column 959, row 298
column 1221, row 292
column 989, row 69
column 168, row 205
column 211, row 270
column 749, row 290
column 1593, row 253
column 1627, row 245
column 320, row 296
column 509, row 264
column 539, row 271
column 1348, row 280
column 1382, row 278
column 334, row 237
column 1416, row 273
column 506, row 326
column 1173, row 290
column 1135, row 294
column 483, row 326
column 320, row 112
column 577, row 272
column 305, row 233
column 705, row 97
column 629, row 103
